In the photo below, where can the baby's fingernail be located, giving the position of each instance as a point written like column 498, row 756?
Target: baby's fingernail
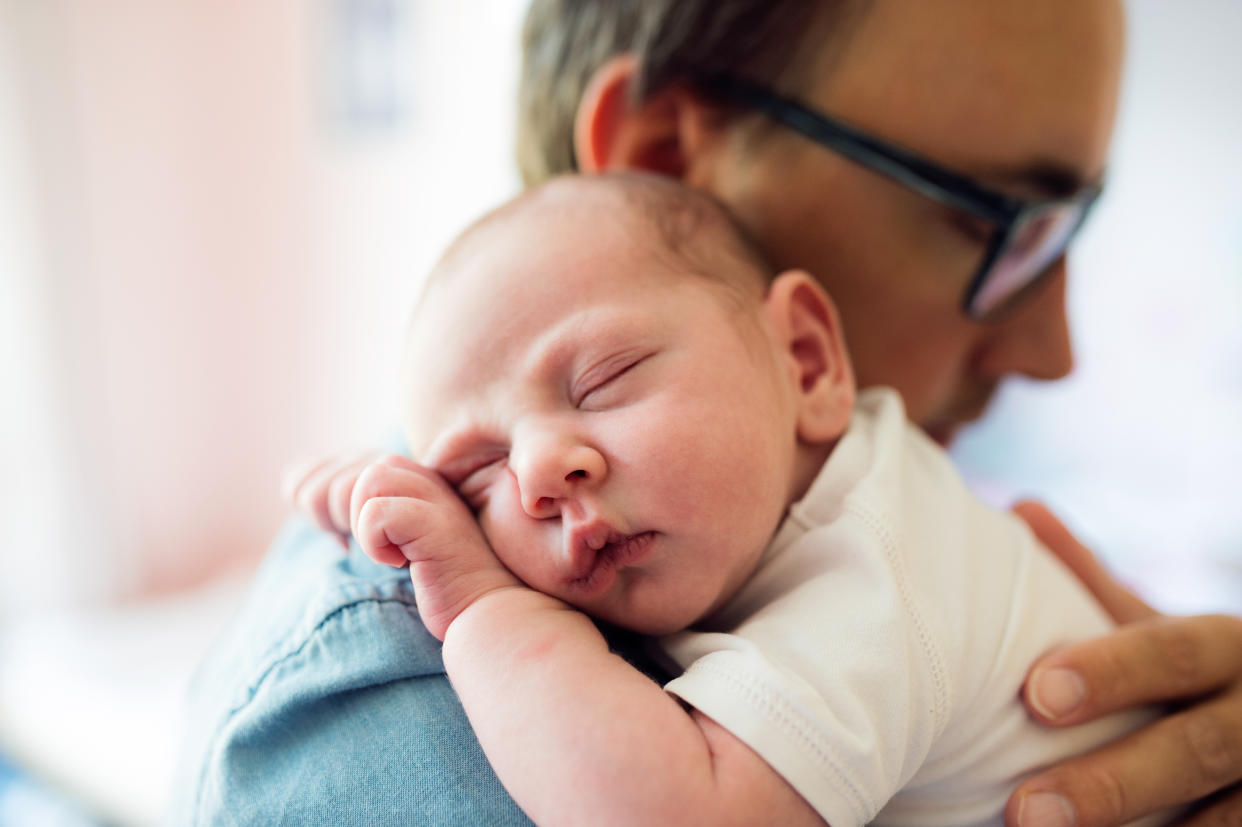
column 1057, row 692
column 1046, row 810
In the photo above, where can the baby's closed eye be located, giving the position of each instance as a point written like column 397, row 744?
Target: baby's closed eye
column 606, row 388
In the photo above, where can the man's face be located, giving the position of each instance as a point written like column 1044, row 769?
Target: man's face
column 622, row 433
column 1020, row 97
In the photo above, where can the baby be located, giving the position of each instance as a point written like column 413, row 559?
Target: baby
column 620, row 412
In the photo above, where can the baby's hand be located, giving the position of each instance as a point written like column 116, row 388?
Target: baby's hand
column 403, row 512
column 322, row 488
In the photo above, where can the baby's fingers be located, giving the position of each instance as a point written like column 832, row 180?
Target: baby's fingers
column 305, row 486
column 296, row 474
column 384, row 525
column 321, row 488
column 341, row 490
column 392, row 476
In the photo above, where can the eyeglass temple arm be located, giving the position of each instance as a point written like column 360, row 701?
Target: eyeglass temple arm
column 885, row 158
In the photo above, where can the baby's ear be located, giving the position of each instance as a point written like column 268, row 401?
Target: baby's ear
column 804, row 319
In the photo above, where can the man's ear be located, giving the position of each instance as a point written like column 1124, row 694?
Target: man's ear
column 808, row 332
column 612, row 132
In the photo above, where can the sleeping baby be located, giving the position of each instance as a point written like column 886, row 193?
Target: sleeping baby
column 620, row 412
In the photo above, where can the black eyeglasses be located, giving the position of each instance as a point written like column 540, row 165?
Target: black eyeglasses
column 1031, row 235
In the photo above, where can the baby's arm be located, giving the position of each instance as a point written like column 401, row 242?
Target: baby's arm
column 575, row 733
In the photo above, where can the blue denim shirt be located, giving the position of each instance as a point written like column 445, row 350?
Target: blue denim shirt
column 326, row 702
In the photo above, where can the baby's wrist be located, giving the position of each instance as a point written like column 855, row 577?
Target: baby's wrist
column 503, row 607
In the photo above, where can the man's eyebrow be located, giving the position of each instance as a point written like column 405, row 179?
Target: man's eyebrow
column 1045, row 177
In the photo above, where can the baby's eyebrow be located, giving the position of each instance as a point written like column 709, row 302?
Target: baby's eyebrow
column 556, row 350
column 585, row 341
column 563, row 344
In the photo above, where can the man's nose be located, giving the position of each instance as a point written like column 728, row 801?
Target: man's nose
column 1035, row 340
column 552, row 468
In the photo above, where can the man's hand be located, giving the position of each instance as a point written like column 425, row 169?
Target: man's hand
column 1191, row 756
column 402, row 512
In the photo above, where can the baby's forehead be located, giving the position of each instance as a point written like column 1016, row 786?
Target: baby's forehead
column 526, row 265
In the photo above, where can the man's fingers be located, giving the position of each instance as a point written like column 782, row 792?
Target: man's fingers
column 1151, row 659
column 1222, row 810
column 1156, row 661
column 1174, row 761
column 1121, row 603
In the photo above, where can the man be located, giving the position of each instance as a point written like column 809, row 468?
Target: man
column 329, row 702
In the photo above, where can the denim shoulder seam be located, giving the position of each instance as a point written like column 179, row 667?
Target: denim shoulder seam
column 253, row 690
column 297, row 649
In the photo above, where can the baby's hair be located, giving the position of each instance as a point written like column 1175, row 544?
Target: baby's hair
column 695, row 234
column 697, row 230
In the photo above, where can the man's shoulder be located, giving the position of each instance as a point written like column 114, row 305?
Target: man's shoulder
column 314, row 611
column 322, row 695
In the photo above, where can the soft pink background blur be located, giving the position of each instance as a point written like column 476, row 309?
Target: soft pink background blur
column 216, row 257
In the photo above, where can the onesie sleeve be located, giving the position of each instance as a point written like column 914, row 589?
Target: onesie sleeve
column 843, row 704
column 774, row 715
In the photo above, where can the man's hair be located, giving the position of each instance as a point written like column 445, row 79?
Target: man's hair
column 564, row 42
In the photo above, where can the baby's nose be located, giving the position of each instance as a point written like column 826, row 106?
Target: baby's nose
column 550, row 471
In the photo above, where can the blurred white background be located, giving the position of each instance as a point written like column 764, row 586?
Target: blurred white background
column 214, row 217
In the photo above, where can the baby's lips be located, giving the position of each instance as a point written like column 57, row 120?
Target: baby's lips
column 582, row 544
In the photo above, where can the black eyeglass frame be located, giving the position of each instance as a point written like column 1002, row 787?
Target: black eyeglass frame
column 919, row 174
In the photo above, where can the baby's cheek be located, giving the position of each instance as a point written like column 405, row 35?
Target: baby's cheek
column 515, row 537
column 496, row 519
column 728, row 486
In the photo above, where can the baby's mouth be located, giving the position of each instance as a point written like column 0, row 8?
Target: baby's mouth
column 598, row 565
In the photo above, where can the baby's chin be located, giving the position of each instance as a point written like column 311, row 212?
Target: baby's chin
column 649, row 623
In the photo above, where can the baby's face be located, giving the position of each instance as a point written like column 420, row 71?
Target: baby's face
column 624, row 432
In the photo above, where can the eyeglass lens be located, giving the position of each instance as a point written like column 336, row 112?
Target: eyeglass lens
column 1035, row 243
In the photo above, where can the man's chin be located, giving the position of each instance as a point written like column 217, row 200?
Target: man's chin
column 945, row 427
column 942, row 435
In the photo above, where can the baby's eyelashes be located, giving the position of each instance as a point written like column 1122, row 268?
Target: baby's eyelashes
column 603, row 390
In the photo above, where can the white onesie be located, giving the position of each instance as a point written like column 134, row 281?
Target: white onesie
column 875, row 657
